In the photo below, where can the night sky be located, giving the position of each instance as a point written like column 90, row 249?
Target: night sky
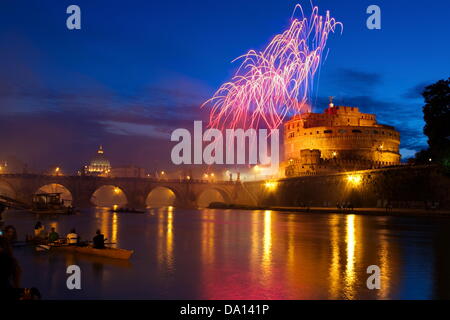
column 139, row 69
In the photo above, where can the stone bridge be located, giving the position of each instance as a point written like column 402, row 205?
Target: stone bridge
column 403, row 185
column 187, row 192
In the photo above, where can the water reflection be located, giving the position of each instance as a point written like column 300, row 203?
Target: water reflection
column 226, row 254
column 267, row 242
column 335, row 263
column 207, row 238
column 350, row 241
column 108, row 225
column 385, row 269
column 165, row 238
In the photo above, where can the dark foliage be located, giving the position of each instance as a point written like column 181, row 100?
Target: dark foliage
column 437, row 128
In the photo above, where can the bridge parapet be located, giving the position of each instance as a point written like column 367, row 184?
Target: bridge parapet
column 136, row 190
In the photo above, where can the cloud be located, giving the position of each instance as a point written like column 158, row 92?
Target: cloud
column 44, row 126
column 416, row 91
column 133, row 129
column 367, row 78
column 407, row 153
column 356, row 81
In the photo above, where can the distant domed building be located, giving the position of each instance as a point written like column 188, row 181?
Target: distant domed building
column 339, row 139
column 99, row 166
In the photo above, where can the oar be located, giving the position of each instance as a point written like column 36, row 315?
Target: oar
column 104, row 242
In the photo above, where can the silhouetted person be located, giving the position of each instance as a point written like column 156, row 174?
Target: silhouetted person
column 53, row 235
column 10, row 234
column 9, row 271
column 99, row 240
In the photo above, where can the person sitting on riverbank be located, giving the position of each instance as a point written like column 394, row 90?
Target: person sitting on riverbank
column 72, row 238
column 10, row 234
column 53, row 235
column 9, row 271
column 99, row 240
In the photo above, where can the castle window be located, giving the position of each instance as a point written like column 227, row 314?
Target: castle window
column 328, row 131
column 356, row 131
column 342, row 131
column 317, row 131
column 375, row 131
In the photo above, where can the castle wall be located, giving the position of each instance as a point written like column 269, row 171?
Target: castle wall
column 370, row 143
column 406, row 187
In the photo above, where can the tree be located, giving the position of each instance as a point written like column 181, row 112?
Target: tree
column 437, row 118
column 423, row 156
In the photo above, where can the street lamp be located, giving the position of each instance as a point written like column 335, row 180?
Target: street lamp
column 271, row 185
column 354, row 179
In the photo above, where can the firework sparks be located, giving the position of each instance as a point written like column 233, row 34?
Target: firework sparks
column 276, row 81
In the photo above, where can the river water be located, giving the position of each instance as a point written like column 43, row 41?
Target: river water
column 234, row 254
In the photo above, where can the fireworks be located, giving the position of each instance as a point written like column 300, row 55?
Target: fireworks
column 270, row 84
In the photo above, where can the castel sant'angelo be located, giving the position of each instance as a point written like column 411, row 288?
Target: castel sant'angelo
column 339, row 139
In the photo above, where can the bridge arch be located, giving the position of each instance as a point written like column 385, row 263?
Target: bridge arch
column 162, row 196
column 212, row 194
column 109, row 196
column 66, row 194
column 6, row 189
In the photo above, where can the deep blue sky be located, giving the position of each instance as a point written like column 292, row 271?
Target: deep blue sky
column 138, row 69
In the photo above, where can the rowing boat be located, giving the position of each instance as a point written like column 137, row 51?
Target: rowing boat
column 114, row 253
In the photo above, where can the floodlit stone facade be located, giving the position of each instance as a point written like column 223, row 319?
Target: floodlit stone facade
column 340, row 139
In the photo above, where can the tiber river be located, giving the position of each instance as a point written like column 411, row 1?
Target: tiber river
column 232, row 254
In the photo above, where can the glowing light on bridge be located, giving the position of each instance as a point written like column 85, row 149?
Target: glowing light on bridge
column 354, row 179
column 271, row 185
column 276, row 81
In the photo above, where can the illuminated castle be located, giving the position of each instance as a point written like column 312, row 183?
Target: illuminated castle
column 99, row 166
column 340, row 139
